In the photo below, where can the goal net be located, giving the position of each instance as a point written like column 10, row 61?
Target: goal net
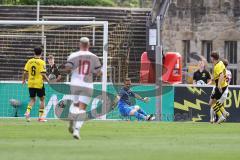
column 58, row 38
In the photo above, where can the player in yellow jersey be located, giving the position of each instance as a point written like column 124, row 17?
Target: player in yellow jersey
column 35, row 71
column 220, row 91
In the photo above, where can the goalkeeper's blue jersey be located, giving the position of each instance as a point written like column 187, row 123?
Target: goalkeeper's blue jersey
column 125, row 95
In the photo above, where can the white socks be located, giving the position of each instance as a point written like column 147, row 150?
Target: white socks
column 212, row 114
column 79, row 122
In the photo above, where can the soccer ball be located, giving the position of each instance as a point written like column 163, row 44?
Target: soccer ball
column 51, row 77
column 201, row 82
column 15, row 103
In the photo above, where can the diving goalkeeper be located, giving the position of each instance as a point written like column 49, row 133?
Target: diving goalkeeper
column 126, row 108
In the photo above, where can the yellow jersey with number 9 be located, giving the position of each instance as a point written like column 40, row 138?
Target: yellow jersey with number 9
column 218, row 69
column 34, row 67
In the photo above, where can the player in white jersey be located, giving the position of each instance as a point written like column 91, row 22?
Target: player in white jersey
column 228, row 72
column 82, row 64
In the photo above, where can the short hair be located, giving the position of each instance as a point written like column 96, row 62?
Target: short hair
column 215, row 55
column 50, row 56
column 38, row 51
column 127, row 79
column 84, row 40
column 225, row 62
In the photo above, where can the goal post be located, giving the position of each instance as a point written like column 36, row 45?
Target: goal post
column 36, row 26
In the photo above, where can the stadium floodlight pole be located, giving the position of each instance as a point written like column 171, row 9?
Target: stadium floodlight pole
column 158, row 72
column 71, row 18
column 163, row 5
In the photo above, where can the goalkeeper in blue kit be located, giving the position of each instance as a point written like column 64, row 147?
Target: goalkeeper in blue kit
column 126, row 108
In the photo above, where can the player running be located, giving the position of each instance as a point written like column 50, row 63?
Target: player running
column 82, row 64
column 220, row 91
column 35, row 71
column 213, row 116
column 126, row 108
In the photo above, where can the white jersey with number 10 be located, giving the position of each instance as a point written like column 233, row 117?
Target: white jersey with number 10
column 85, row 64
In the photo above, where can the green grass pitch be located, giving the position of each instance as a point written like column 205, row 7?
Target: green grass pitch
column 108, row 140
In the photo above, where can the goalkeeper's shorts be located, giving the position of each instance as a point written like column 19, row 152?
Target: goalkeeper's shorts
column 125, row 109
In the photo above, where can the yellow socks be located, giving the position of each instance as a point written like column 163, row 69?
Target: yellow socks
column 222, row 109
column 29, row 108
column 216, row 109
column 40, row 113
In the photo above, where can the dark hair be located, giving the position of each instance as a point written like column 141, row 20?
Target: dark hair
column 38, row 51
column 215, row 55
column 127, row 79
column 225, row 62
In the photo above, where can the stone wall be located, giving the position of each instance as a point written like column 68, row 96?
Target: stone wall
column 198, row 20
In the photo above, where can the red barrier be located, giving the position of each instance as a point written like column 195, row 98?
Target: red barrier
column 147, row 70
column 172, row 72
column 173, row 65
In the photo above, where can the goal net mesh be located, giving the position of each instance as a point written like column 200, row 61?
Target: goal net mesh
column 16, row 47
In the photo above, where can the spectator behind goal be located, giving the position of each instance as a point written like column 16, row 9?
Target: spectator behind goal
column 52, row 70
column 202, row 76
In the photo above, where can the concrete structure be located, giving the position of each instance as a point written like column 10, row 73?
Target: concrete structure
column 190, row 26
column 204, row 25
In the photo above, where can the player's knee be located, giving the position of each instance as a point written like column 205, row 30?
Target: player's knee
column 133, row 111
column 82, row 106
column 137, row 107
column 33, row 99
column 211, row 102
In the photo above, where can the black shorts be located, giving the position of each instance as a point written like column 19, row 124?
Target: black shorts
column 33, row 92
column 217, row 94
